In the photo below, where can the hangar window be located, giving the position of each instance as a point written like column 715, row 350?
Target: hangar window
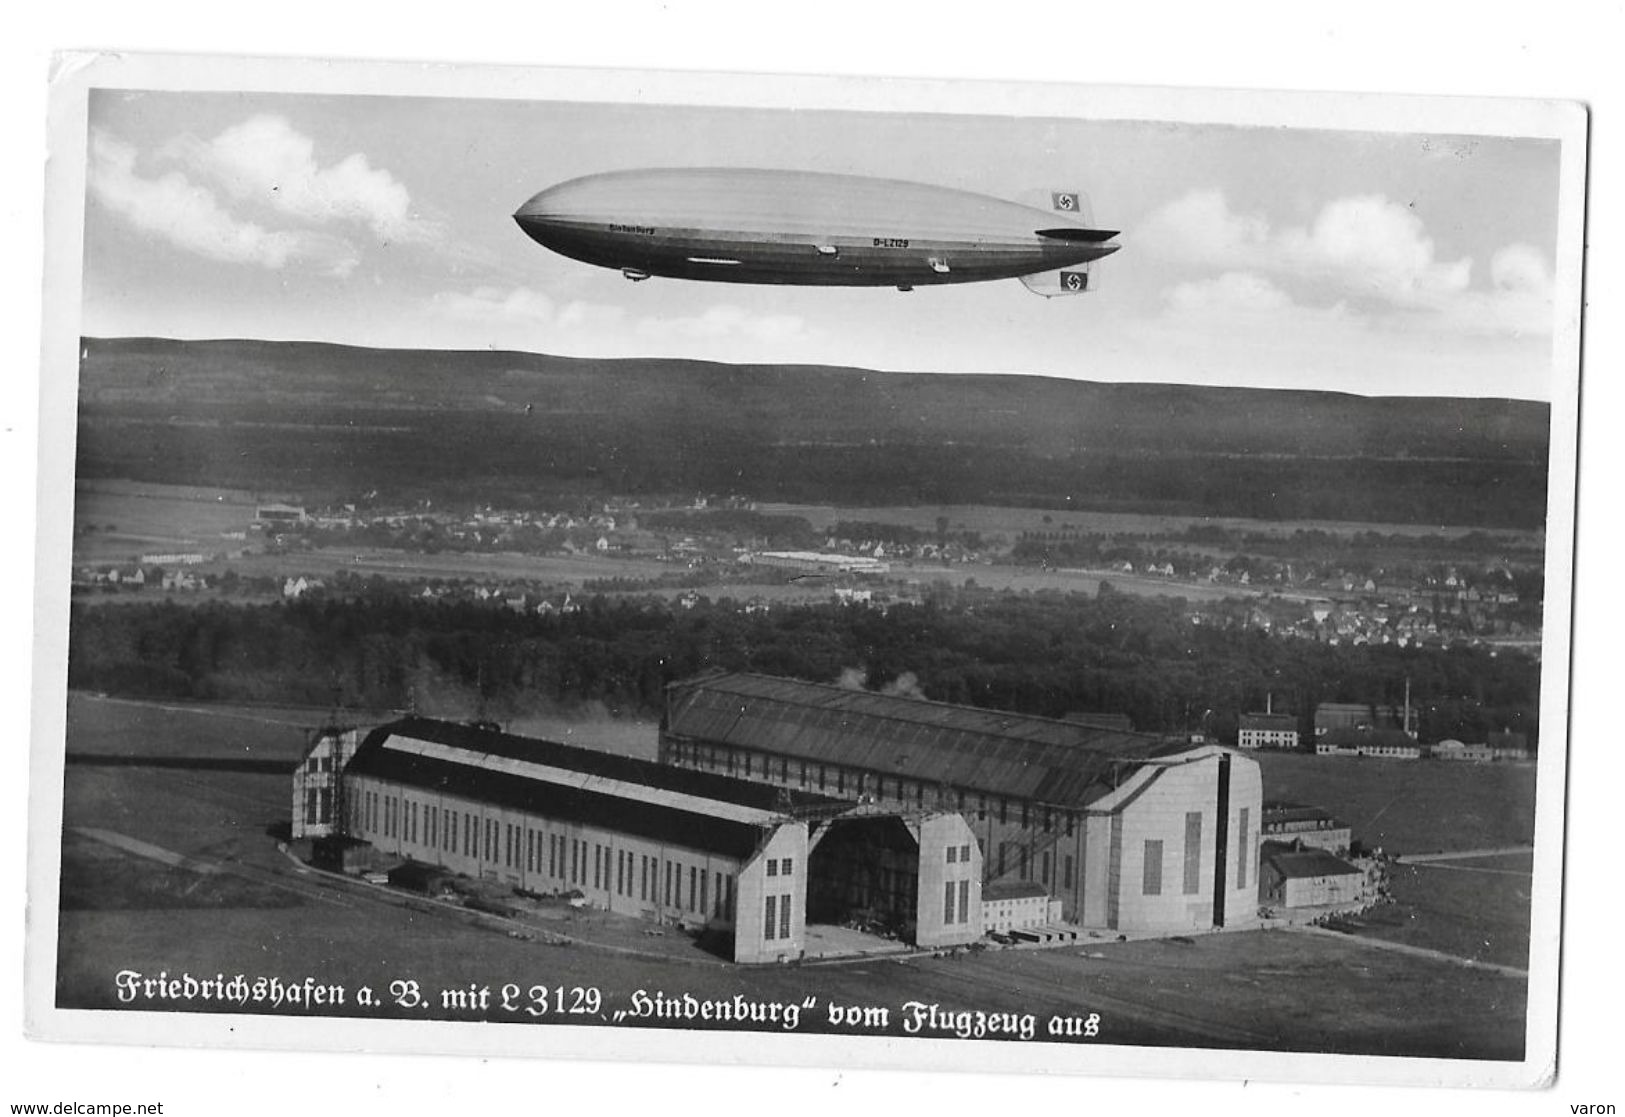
column 948, row 901
column 964, row 901
column 785, row 866
column 964, row 853
column 770, row 923
column 1067, row 879
column 953, row 854
column 784, row 916
column 1152, row 884
column 772, row 867
column 1243, row 848
column 1193, row 852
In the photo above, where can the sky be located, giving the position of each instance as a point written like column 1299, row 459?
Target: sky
column 1364, row 262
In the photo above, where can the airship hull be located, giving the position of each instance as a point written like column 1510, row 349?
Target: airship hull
column 745, row 226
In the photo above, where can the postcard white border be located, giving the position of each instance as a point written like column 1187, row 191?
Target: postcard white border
column 76, row 74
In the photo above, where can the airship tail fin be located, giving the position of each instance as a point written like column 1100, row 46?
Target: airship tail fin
column 1076, row 280
column 1070, row 204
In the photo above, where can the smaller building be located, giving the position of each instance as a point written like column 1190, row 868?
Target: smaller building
column 1509, row 745
column 1456, row 750
column 280, row 514
column 1306, row 878
column 1009, row 905
column 1389, row 744
column 1310, row 827
column 1268, row 731
column 815, row 562
column 1331, row 716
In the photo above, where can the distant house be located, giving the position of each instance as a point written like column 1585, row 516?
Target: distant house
column 1308, row 827
column 1509, row 745
column 1357, row 715
column 1268, row 731
column 1391, row 744
column 279, row 514
column 1456, row 750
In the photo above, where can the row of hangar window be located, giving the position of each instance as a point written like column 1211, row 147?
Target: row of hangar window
column 841, row 781
column 656, row 879
column 1151, row 873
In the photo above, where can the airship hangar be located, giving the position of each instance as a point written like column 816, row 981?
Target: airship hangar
column 731, row 225
column 778, row 808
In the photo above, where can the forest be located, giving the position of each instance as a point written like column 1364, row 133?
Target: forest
column 1048, row 654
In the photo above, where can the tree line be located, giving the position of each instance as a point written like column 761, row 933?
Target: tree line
column 1047, row 654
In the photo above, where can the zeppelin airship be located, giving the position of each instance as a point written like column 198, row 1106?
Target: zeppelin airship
column 815, row 229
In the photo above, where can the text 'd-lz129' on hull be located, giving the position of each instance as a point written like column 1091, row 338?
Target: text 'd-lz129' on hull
column 806, row 228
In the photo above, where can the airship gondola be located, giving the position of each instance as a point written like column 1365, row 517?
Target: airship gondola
column 815, row 229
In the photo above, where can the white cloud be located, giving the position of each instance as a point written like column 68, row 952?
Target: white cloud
column 725, row 321
column 264, row 160
column 1230, row 293
column 1201, row 226
column 523, row 308
column 1364, row 247
column 526, row 316
column 191, row 217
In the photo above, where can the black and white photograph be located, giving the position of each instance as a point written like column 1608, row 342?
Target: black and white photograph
column 1022, row 577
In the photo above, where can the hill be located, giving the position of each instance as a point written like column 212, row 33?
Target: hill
column 326, row 419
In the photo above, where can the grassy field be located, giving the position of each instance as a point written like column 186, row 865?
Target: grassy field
column 1011, row 522
column 260, row 915
column 1476, row 908
column 113, row 520
column 1027, row 579
column 1411, row 806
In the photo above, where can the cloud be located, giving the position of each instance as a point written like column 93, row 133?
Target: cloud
column 1232, row 292
column 189, row 216
column 523, row 308
column 265, row 161
column 524, row 315
column 725, row 321
column 1364, row 247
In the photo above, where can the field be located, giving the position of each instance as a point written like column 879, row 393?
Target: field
column 1011, row 522
column 1026, row 579
column 503, row 566
column 113, row 520
column 1474, row 908
column 228, row 902
column 1411, row 807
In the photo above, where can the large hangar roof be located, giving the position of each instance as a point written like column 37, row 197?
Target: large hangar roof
column 699, row 810
column 1055, row 762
